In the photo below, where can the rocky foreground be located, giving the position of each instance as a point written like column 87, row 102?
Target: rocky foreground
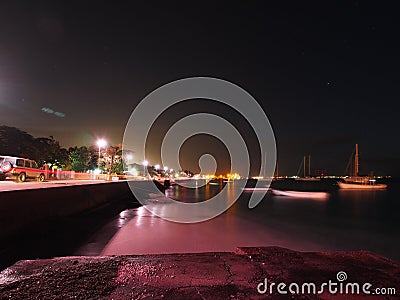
column 246, row 274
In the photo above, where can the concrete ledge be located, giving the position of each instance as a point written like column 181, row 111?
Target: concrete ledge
column 22, row 207
column 194, row 276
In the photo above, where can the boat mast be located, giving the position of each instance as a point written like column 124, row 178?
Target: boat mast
column 304, row 166
column 265, row 166
column 309, row 165
column 356, row 163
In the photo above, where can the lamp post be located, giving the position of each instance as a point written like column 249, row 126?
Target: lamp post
column 100, row 143
column 145, row 164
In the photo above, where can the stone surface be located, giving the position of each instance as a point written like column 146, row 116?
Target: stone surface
column 194, row 276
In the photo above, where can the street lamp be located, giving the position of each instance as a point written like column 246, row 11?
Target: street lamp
column 145, row 164
column 100, row 143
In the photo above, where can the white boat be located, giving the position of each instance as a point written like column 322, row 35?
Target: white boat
column 301, row 194
column 360, row 182
column 361, row 186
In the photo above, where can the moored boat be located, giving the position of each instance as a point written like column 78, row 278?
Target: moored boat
column 360, row 182
column 307, row 189
column 362, row 186
column 301, row 194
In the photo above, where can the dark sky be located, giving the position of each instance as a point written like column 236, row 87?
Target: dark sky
column 325, row 72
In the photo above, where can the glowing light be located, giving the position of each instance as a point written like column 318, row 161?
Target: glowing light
column 165, row 168
column 157, row 167
column 101, row 143
column 232, row 176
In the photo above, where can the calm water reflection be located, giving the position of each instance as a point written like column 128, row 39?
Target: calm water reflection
column 347, row 220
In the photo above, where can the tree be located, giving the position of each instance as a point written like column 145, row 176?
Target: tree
column 80, row 158
column 15, row 142
column 49, row 151
column 112, row 158
column 94, row 157
column 118, row 167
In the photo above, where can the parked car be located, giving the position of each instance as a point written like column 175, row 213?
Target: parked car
column 20, row 169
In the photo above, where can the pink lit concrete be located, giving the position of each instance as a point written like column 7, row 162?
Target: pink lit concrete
column 9, row 185
column 195, row 276
column 149, row 234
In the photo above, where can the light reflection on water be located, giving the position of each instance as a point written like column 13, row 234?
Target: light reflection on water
column 347, row 220
column 122, row 220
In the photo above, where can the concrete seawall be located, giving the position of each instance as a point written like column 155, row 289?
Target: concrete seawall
column 20, row 208
column 250, row 273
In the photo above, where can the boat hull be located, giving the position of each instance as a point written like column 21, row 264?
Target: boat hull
column 360, row 186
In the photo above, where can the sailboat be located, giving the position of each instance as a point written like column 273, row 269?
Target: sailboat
column 360, row 182
column 305, row 177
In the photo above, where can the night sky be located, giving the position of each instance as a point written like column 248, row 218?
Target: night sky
column 325, row 72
